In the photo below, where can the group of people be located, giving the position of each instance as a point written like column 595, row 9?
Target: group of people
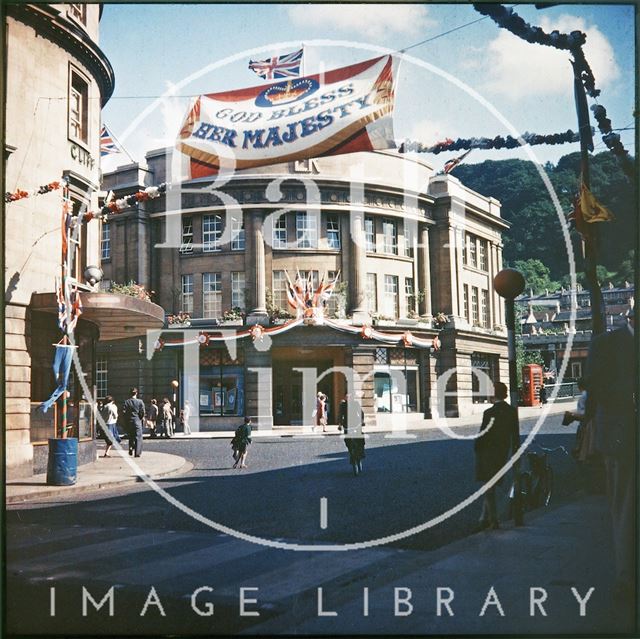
column 160, row 420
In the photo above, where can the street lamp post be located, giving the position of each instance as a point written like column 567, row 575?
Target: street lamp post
column 509, row 283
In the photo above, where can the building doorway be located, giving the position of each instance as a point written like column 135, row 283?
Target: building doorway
column 287, row 384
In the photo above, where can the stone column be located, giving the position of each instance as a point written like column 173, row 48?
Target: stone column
column 456, row 239
column 259, row 387
column 258, row 314
column 495, row 298
column 500, row 307
column 361, row 359
column 424, row 273
column 357, row 275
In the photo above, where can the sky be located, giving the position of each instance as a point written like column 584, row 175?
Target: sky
column 181, row 50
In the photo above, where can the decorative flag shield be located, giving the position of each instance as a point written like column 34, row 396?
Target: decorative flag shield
column 340, row 111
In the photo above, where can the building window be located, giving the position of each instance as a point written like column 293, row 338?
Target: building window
column 306, row 230
column 370, row 234
column 382, row 356
column 78, row 107
column 186, row 245
column 371, row 296
column 484, row 308
column 211, row 232
column 280, row 232
column 211, row 295
column 333, row 232
column 472, row 259
column 408, row 239
column 101, row 378
column 474, row 305
column 409, row 295
column 576, row 370
column 78, row 12
column 313, row 275
column 465, row 240
column 485, row 365
column 237, row 234
column 221, row 387
column 391, row 295
column 390, row 237
column 105, row 241
column 482, row 255
column 465, row 294
column 187, row 294
column 280, row 290
column 332, row 304
column 238, row 287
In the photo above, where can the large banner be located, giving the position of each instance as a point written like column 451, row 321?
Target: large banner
column 340, row 111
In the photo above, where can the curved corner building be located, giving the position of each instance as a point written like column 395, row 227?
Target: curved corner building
column 415, row 251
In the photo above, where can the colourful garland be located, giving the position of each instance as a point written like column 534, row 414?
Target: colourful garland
column 257, row 332
column 498, row 142
column 506, row 18
column 612, row 140
column 19, row 194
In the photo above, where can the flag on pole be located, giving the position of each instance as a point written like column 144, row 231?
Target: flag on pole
column 451, row 164
column 283, row 66
column 108, row 143
column 592, row 210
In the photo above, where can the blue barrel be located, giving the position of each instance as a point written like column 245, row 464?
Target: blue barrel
column 62, row 465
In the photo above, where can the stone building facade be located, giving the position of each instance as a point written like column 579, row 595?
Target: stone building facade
column 57, row 80
column 415, row 251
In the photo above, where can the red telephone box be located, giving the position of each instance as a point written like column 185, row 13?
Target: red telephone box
column 531, row 382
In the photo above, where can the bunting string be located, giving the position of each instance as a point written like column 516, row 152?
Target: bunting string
column 20, row 194
column 612, row 139
column 257, row 332
column 573, row 42
column 499, row 142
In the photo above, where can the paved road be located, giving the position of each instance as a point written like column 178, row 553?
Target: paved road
column 132, row 538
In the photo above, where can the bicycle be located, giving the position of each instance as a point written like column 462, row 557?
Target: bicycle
column 536, row 484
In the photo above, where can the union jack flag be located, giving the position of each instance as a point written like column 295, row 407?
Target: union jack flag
column 451, row 164
column 284, row 66
column 108, row 143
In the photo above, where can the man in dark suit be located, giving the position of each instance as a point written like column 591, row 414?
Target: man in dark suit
column 612, row 379
column 133, row 411
column 499, row 438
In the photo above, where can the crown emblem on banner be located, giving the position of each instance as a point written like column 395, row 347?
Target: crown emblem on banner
column 287, row 92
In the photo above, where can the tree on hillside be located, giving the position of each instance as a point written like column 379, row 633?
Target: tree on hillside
column 537, row 276
column 536, row 231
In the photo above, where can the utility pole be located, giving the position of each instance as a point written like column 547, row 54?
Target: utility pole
column 591, row 236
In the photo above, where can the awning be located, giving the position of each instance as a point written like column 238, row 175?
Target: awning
column 116, row 316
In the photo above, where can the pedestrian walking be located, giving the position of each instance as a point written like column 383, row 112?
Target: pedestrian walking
column 240, row 443
column 611, row 382
column 167, row 419
column 543, row 394
column 321, row 411
column 185, row 415
column 109, row 413
column 152, row 421
column 134, row 412
column 351, row 420
column 499, row 437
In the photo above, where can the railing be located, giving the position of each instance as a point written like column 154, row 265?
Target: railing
column 567, row 389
